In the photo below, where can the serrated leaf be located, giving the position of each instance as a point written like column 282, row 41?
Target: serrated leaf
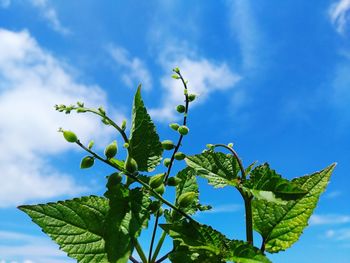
column 265, row 183
column 76, row 225
column 182, row 254
column 282, row 225
column 219, row 169
column 144, row 145
column 127, row 215
column 204, row 239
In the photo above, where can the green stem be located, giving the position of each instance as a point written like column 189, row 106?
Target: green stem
column 248, row 219
column 158, row 247
column 140, row 251
column 171, row 163
column 163, row 257
column 149, row 188
column 133, row 260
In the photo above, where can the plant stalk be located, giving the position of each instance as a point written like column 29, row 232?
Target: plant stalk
column 140, row 251
column 248, row 219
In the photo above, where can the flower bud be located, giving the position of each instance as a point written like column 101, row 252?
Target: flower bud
column 154, row 206
column 102, row 110
column 91, row 144
column 183, row 130
column 111, row 150
column 123, row 125
column 174, row 126
column 156, row 180
column 160, row 189
column 168, row 145
column 166, row 162
column 87, row 162
column 179, row 156
column 70, row 136
column 186, row 199
column 130, row 165
column 181, row 108
column 126, row 145
column 175, row 76
column 114, row 179
column 191, row 97
column 177, row 70
column 173, row 181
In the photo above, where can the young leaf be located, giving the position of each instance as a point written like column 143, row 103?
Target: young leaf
column 76, row 225
column 219, row 169
column 204, row 239
column 144, row 145
column 282, row 225
column 265, row 183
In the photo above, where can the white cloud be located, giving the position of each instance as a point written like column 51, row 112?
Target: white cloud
column 134, row 70
column 342, row 234
column 29, row 249
column 329, row 219
column 31, row 82
column 49, row 13
column 339, row 15
column 204, row 78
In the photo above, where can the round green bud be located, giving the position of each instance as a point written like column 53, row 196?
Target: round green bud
column 174, row 126
column 168, row 145
column 87, row 162
column 179, row 156
column 230, row 145
column 183, row 130
column 210, row 146
column 186, row 199
column 130, row 165
column 91, row 144
column 160, row 189
column 154, row 206
column 126, row 145
column 70, row 136
column 177, row 70
column 166, row 162
column 191, row 97
column 123, row 125
column 114, row 179
column 81, row 110
column 173, row 181
column 102, row 110
column 180, row 108
column 111, row 150
column 156, row 180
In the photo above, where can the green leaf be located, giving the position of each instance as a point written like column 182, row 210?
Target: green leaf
column 127, row 215
column 220, row 170
column 182, row 254
column 76, row 225
column 265, row 183
column 204, row 239
column 282, row 225
column 144, row 145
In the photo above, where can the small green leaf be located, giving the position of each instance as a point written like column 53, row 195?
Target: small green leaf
column 219, row 169
column 282, row 225
column 144, row 145
column 202, row 238
column 265, row 183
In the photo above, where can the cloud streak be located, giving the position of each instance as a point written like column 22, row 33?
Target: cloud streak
column 339, row 15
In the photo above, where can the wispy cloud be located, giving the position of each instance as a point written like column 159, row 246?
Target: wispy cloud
column 204, row 78
column 5, row 3
column 133, row 69
column 339, row 15
column 329, row 219
column 50, row 14
column 225, row 208
column 342, row 234
column 31, row 82
column 24, row 248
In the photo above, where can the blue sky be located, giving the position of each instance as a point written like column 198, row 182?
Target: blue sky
column 271, row 76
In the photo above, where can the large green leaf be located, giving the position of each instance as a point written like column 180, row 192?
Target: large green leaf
column 265, row 183
column 282, row 225
column 144, row 145
column 183, row 254
column 76, row 225
column 127, row 215
column 220, row 169
column 204, row 239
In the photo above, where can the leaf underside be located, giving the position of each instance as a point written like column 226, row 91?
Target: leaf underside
column 265, row 183
column 282, row 225
column 144, row 145
column 219, row 169
column 203, row 241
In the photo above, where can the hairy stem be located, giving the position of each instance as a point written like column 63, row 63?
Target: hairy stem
column 140, row 251
column 171, row 163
